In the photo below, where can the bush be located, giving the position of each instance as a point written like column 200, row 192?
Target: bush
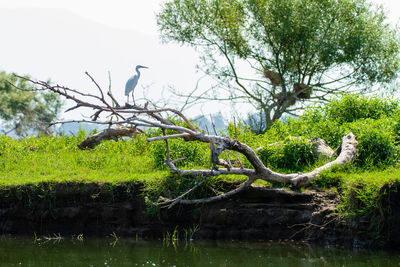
column 354, row 107
column 376, row 141
column 291, row 153
column 243, row 134
column 195, row 153
column 374, row 121
column 332, row 121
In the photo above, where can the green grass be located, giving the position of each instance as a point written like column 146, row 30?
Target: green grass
column 365, row 197
column 361, row 186
column 347, row 175
column 77, row 166
column 51, row 159
column 35, row 165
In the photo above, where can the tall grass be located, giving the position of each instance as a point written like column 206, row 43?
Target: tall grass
column 45, row 159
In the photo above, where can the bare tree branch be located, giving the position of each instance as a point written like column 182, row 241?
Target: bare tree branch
column 142, row 116
column 108, row 134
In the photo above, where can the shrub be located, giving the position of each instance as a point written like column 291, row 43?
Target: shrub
column 327, row 121
column 329, row 130
column 243, row 134
column 195, row 153
column 375, row 121
column 355, row 107
column 376, row 141
column 291, row 153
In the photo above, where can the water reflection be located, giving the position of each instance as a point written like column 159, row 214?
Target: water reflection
column 127, row 252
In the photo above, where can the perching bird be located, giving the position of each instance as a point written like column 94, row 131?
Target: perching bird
column 132, row 82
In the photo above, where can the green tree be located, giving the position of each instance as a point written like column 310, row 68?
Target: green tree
column 280, row 55
column 26, row 111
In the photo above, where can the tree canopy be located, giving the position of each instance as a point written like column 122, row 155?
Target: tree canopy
column 25, row 111
column 282, row 54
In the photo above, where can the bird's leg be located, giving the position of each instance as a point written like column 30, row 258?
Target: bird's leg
column 133, row 99
column 127, row 99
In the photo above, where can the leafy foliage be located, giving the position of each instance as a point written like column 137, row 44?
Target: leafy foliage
column 290, row 154
column 194, row 153
column 303, row 49
column 373, row 120
column 376, row 142
column 26, row 111
column 350, row 108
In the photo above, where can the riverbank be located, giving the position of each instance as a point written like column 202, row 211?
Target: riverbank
column 48, row 185
column 258, row 214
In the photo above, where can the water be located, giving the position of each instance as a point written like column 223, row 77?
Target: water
column 126, row 252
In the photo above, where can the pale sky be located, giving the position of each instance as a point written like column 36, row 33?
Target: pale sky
column 133, row 14
column 127, row 14
column 61, row 39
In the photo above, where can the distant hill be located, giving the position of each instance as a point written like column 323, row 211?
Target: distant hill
column 205, row 123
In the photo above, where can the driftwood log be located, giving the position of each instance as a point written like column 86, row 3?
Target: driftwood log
column 109, row 134
column 135, row 116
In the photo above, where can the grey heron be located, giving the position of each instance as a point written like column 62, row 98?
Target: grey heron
column 132, row 82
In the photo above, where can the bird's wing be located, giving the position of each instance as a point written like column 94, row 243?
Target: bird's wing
column 131, row 84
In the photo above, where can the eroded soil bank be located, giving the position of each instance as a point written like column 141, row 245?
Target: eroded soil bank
column 257, row 214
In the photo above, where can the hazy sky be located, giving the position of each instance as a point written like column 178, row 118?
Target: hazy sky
column 128, row 14
column 132, row 14
column 60, row 39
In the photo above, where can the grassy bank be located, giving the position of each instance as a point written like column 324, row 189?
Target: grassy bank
column 58, row 159
column 36, row 162
column 364, row 186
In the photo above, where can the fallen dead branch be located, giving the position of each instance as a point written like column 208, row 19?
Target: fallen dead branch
column 132, row 116
column 109, row 134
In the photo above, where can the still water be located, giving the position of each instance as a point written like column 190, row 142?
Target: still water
column 126, row 252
